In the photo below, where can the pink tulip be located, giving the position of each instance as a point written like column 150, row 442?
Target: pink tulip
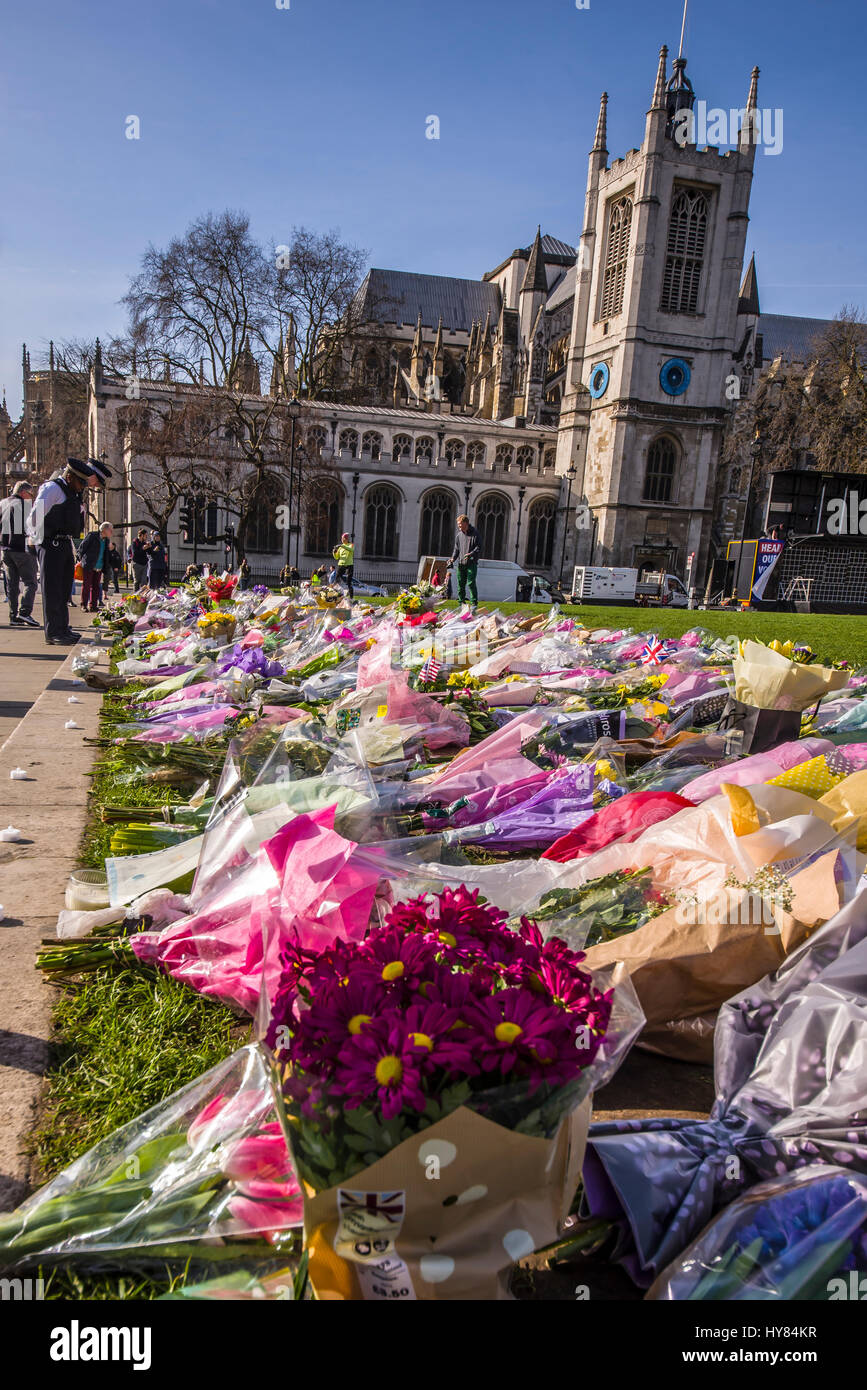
column 259, row 1156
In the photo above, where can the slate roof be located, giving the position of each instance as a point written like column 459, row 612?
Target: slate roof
column 793, row 337
column 564, row 289
column 397, row 296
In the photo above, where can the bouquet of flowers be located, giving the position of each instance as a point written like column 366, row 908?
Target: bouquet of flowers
column 204, row 1179
column 446, row 1025
column 419, row 598
column 221, row 587
column 799, row 1236
column 216, row 624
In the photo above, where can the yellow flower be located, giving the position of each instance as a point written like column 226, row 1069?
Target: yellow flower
column 604, row 769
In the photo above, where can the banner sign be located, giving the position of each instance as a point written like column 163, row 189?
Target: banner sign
column 767, row 555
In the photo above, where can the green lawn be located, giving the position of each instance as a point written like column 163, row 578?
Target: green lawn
column 832, row 636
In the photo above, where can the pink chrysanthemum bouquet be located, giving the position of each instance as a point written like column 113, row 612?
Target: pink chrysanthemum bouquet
column 442, row 1022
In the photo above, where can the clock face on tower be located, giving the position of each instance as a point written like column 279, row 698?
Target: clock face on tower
column 599, row 378
column 675, row 376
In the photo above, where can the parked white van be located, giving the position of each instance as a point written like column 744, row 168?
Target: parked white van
column 497, row 581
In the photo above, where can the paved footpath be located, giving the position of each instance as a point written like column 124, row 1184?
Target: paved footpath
column 49, row 809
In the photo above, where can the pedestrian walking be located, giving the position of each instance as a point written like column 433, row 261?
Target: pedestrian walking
column 140, row 559
column 18, row 563
column 245, row 575
column 115, row 563
column 344, row 554
column 92, row 554
column 157, row 563
column 54, row 526
column 466, row 554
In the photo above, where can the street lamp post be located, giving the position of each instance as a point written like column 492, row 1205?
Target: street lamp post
column 294, row 411
column 755, row 457
column 571, row 473
column 356, row 478
column 521, row 493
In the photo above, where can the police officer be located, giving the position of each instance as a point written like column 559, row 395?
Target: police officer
column 55, row 522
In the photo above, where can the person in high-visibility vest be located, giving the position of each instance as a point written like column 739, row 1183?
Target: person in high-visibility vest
column 344, row 554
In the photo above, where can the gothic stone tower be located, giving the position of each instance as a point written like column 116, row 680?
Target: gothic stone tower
column 653, row 335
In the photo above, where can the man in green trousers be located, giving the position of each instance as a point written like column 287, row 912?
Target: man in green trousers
column 466, row 554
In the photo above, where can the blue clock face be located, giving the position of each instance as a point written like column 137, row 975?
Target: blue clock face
column 675, row 376
column 599, row 378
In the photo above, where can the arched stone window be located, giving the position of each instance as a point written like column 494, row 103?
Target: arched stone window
column 371, row 444
column 549, row 459
column 260, row 534
column 372, row 369
column 454, row 452
column 315, row 440
column 684, row 256
column 381, row 512
column 525, row 458
column 492, row 523
column 616, row 257
column 476, row 454
column 661, row 463
column 541, row 520
column 401, row 448
column 424, row 450
column 349, row 442
column 324, row 514
column 503, row 457
column 437, row 532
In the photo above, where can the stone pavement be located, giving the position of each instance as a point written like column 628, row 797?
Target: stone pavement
column 49, row 809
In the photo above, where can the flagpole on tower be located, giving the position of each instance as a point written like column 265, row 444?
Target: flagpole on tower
column 682, row 29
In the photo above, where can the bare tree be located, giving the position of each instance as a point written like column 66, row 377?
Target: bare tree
column 318, row 283
column 814, row 415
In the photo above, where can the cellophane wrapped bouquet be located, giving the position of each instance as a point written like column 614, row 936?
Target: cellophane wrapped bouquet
column 436, row 1078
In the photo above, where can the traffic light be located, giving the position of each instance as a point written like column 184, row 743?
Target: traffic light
column 186, row 521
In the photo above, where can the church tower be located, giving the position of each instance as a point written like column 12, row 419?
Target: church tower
column 654, row 332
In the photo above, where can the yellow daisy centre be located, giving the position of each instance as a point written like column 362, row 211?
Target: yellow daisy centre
column 389, row 1070
column 421, row 1040
column 357, row 1022
column 507, row 1032
column 393, row 970
column 448, row 939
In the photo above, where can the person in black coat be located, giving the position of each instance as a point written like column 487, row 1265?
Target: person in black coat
column 112, row 571
column 157, row 563
column 53, row 526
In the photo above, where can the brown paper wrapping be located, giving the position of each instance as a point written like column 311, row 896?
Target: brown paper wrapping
column 768, row 680
column 683, row 969
column 499, row 1196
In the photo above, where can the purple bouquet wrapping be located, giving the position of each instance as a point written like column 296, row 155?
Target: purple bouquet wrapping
column 790, row 1055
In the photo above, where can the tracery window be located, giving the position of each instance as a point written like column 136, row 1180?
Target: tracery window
column 381, row 510
column 492, row 524
column 659, row 477
column 540, row 532
column 349, row 442
column 684, row 256
column 616, row 258
column 371, row 444
column 424, row 450
column 437, row 531
column 401, row 448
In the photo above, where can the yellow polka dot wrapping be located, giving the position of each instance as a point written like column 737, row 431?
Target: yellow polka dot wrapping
column 813, row 778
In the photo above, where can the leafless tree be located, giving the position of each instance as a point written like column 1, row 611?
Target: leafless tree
column 319, row 277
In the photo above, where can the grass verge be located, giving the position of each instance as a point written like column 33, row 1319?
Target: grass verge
column 832, row 636
column 124, row 1040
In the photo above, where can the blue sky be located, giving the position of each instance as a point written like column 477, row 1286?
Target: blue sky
column 315, row 115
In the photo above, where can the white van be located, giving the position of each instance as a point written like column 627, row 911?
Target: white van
column 497, row 581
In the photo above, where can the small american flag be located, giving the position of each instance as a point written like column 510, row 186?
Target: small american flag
column 655, row 651
column 430, row 670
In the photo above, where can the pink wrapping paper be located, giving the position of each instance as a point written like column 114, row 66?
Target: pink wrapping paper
column 760, row 767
